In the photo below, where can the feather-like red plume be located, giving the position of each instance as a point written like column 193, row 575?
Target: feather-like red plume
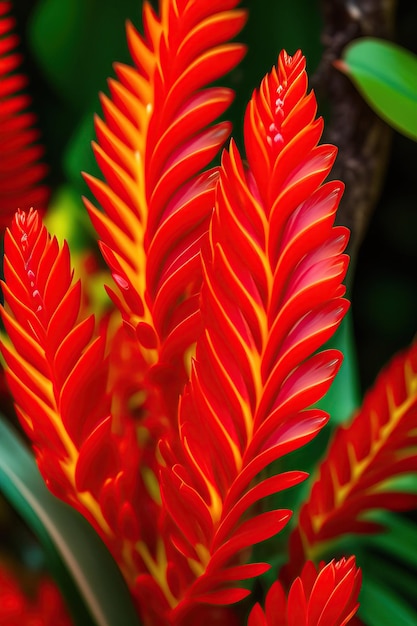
column 57, row 372
column 362, row 461
column 21, row 171
column 328, row 597
column 157, row 136
column 271, row 296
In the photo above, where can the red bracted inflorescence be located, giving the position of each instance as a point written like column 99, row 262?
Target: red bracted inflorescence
column 21, row 171
column 57, row 372
column 328, row 597
column 43, row 608
column 271, row 296
column 156, row 137
column 362, row 461
column 244, row 261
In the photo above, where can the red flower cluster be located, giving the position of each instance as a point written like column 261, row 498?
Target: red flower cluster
column 18, row 609
column 21, row 170
column 165, row 427
column 324, row 598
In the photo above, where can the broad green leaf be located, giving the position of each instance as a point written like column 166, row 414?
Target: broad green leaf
column 380, row 606
column 81, row 564
column 386, row 76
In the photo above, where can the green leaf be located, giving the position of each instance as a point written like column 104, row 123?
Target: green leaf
column 380, row 606
column 386, row 76
column 80, row 562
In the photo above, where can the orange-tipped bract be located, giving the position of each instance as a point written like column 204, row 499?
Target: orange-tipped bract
column 158, row 134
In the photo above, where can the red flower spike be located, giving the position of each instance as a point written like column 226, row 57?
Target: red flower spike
column 157, row 136
column 362, row 460
column 21, row 170
column 57, row 373
column 271, row 297
column 46, row 608
column 328, row 597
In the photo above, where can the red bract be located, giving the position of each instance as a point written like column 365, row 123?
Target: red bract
column 57, row 372
column 21, row 172
column 271, row 296
column 328, row 597
column 240, row 266
column 44, row 608
column 157, row 136
column 362, row 459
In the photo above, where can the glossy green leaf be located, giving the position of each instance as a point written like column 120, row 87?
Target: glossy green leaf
column 386, row 76
column 81, row 564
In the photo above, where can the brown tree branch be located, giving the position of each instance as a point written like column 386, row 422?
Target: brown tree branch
column 362, row 138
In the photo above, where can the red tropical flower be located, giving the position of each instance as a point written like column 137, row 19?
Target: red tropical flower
column 21, row 171
column 327, row 597
column 57, row 372
column 156, row 138
column 44, row 608
column 228, row 283
column 271, row 296
column 362, row 460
